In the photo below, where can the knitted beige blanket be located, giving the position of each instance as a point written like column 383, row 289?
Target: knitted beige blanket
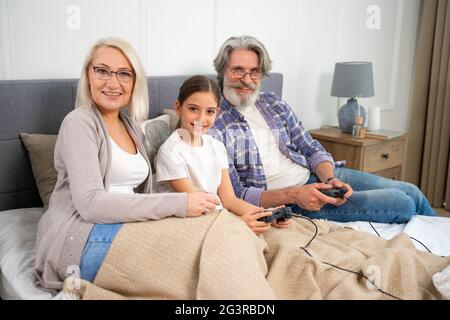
column 217, row 256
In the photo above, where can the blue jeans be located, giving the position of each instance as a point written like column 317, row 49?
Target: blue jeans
column 376, row 199
column 96, row 248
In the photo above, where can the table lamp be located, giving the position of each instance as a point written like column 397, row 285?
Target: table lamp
column 352, row 80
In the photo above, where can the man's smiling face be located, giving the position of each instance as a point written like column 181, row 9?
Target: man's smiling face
column 242, row 80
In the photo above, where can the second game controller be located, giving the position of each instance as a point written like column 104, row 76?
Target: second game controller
column 334, row 193
column 279, row 214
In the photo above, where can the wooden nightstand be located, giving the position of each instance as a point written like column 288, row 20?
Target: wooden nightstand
column 380, row 157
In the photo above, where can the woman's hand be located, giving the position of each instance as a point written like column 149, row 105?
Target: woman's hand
column 199, row 203
column 251, row 219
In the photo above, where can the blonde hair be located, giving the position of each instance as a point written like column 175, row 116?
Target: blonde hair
column 138, row 105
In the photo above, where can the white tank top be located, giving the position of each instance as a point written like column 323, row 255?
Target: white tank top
column 127, row 170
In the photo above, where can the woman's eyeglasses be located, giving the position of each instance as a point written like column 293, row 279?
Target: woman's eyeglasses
column 103, row 73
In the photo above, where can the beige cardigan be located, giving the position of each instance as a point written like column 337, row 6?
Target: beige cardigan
column 81, row 198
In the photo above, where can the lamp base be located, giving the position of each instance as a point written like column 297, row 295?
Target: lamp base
column 348, row 113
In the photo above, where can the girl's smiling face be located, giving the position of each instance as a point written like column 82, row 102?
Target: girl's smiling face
column 198, row 112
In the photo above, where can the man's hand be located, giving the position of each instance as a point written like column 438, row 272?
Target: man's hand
column 309, row 197
column 336, row 183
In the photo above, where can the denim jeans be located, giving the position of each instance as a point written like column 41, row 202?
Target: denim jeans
column 375, row 199
column 96, row 248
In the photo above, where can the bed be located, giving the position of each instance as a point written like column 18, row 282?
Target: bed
column 38, row 106
column 18, row 235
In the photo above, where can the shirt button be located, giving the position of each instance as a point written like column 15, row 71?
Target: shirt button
column 71, row 238
column 254, row 148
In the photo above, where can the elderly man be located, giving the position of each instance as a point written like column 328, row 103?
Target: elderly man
column 275, row 161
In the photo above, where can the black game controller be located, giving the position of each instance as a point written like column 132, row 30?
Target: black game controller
column 279, row 214
column 334, row 193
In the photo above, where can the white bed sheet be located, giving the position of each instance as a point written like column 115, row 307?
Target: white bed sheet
column 18, row 235
column 433, row 232
column 17, row 241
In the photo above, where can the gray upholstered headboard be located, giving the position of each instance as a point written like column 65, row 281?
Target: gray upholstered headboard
column 39, row 106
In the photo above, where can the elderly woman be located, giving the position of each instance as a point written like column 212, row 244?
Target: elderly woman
column 104, row 176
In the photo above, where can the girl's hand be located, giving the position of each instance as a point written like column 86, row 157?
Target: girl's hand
column 199, row 203
column 282, row 224
column 251, row 219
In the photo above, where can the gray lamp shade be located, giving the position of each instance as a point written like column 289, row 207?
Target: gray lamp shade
column 353, row 79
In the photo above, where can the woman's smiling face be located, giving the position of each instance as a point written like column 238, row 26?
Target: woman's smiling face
column 112, row 94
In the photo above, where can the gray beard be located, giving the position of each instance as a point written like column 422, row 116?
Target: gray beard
column 236, row 100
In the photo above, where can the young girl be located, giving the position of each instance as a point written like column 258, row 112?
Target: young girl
column 191, row 161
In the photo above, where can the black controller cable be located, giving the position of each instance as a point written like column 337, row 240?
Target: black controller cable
column 370, row 223
column 360, row 273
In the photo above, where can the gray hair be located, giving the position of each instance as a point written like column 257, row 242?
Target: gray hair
column 138, row 105
column 243, row 42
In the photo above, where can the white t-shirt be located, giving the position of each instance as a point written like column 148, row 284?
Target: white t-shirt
column 127, row 170
column 203, row 165
column 280, row 170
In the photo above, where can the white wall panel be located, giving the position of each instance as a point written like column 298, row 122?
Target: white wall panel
column 377, row 46
column 6, row 65
column 45, row 47
column 271, row 21
column 397, row 117
column 180, row 36
column 305, row 38
column 318, row 42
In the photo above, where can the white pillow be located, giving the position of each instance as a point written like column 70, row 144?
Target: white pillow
column 156, row 131
column 164, row 117
column 174, row 118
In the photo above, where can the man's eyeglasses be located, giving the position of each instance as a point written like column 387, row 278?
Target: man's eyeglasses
column 103, row 73
column 240, row 73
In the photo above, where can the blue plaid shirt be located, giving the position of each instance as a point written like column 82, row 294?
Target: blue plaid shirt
column 245, row 165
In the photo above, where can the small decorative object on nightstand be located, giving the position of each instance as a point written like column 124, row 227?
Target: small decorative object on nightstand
column 380, row 155
column 359, row 132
